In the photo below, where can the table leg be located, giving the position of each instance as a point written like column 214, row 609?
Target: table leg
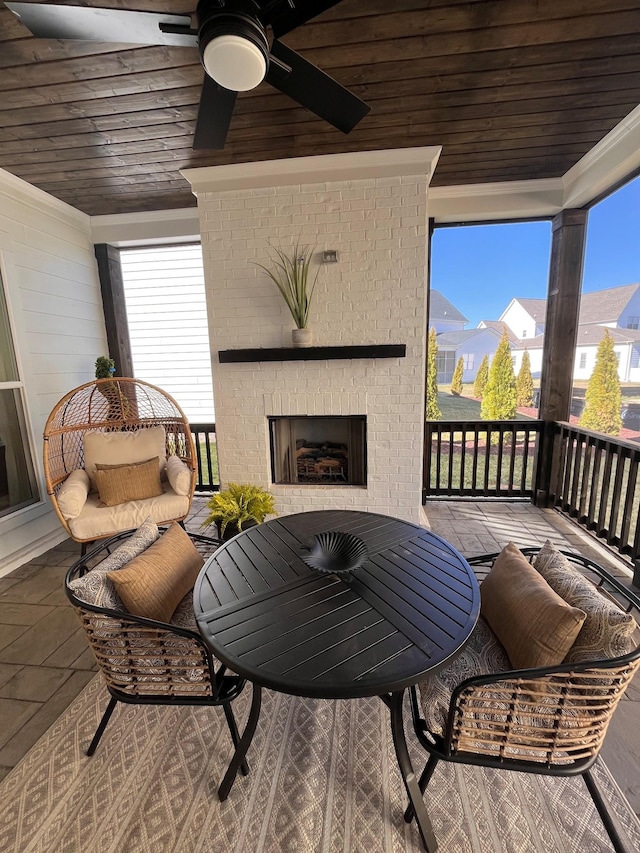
column 243, row 745
column 408, row 776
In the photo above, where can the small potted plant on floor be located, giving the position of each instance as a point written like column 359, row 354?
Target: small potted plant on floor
column 290, row 274
column 238, row 506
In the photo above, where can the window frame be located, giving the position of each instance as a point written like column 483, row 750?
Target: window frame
column 24, row 414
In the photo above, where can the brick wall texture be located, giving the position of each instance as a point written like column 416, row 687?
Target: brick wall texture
column 375, row 294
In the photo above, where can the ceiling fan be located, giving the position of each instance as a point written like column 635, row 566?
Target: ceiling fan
column 235, row 51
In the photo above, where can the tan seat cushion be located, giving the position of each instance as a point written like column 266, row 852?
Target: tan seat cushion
column 608, row 631
column 533, row 623
column 132, row 482
column 122, row 448
column 72, row 494
column 155, row 582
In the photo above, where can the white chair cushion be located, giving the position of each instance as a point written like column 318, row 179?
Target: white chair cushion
column 121, row 448
column 97, row 521
column 72, row 494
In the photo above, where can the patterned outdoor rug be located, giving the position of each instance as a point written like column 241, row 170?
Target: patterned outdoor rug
column 323, row 778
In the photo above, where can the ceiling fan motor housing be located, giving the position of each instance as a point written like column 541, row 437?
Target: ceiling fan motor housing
column 233, row 44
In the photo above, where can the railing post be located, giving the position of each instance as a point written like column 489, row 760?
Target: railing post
column 544, row 465
column 636, row 574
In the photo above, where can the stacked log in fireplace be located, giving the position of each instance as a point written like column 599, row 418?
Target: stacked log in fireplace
column 318, row 461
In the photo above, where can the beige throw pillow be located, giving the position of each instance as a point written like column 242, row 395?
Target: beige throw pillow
column 607, row 631
column 179, row 475
column 533, row 623
column 72, row 494
column 120, row 483
column 154, row 583
column 122, row 448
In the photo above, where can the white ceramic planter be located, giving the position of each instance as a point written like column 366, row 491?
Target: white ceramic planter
column 302, row 337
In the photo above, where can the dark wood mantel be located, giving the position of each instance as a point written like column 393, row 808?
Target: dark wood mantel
column 228, row 356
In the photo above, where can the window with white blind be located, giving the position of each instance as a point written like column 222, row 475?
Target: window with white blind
column 168, row 327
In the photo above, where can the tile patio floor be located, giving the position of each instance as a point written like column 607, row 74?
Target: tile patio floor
column 45, row 661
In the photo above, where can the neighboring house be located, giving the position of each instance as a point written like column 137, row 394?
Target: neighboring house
column 617, row 308
column 626, row 345
column 500, row 328
column 525, row 317
column 443, row 315
column 469, row 344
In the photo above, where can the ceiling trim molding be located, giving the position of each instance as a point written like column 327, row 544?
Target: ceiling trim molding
column 155, row 227
column 15, row 189
column 496, row 201
column 609, row 162
column 322, row 168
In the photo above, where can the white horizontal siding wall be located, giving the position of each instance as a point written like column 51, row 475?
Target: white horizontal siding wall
column 53, row 294
column 168, row 328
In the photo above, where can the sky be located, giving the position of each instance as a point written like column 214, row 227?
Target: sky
column 480, row 268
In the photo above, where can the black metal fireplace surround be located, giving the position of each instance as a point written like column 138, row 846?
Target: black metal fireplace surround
column 319, row 450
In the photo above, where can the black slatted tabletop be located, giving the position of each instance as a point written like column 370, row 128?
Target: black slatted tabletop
column 268, row 616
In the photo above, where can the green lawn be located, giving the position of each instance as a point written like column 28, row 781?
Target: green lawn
column 463, row 408
column 204, row 464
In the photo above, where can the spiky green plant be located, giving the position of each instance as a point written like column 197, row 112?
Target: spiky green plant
column 456, row 382
column 238, row 503
column 105, row 367
column 290, row 274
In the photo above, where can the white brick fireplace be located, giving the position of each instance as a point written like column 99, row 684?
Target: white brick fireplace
column 372, row 209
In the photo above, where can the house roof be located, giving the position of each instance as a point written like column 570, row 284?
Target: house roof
column 511, row 91
column 591, row 335
column 605, row 306
column 536, row 308
column 457, row 338
column 499, row 327
column 441, row 309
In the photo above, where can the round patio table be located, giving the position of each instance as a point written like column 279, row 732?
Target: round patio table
column 405, row 612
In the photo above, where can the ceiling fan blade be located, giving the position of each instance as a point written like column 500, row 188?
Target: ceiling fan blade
column 283, row 18
column 314, row 89
column 106, row 25
column 214, row 115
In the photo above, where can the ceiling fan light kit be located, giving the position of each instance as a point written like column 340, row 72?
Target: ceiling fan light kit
column 234, row 50
column 231, row 38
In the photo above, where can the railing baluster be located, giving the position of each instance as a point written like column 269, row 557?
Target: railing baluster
column 461, row 473
column 207, row 479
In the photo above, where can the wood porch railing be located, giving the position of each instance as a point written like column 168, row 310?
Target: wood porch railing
column 595, row 480
column 491, row 459
column 204, row 438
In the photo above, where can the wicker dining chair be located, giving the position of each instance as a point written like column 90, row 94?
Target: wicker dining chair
column 549, row 720
column 144, row 661
column 110, row 406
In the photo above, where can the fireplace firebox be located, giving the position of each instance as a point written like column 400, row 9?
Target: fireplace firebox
column 319, row 450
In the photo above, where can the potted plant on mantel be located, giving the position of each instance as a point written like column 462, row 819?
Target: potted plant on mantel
column 290, row 273
column 239, row 505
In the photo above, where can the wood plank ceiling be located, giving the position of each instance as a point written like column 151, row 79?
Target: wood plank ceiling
column 512, row 90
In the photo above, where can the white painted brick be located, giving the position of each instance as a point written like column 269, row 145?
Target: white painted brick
column 374, row 294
